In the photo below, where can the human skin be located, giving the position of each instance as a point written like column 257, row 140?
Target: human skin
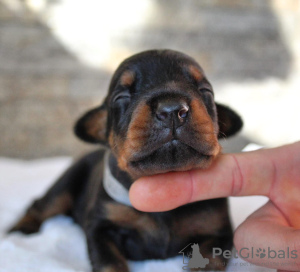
column 274, row 173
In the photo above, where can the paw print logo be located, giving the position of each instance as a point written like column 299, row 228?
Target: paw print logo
column 261, row 253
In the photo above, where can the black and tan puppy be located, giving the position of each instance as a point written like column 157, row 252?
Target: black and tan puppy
column 159, row 116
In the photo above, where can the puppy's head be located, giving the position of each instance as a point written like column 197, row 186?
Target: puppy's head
column 159, row 115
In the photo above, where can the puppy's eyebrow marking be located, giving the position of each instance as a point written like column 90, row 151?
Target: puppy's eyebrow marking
column 127, row 78
column 195, row 72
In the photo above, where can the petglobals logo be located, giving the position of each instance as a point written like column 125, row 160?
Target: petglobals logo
column 193, row 258
column 250, row 253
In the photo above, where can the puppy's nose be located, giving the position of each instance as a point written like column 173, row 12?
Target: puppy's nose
column 172, row 112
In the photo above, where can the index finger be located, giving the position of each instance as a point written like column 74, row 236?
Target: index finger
column 250, row 173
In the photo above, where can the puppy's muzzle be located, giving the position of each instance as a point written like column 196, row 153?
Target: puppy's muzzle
column 171, row 131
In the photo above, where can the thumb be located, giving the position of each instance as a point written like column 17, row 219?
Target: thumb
column 268, row 232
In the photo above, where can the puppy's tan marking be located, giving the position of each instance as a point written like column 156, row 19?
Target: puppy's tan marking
column 33, row 218
column 195, row 73
column 96, row 125
column 117, row 146
column 217, row 263
column 61, row 204
column 202, row 223
column 119, row 264
column 128, row 217
column 127, row 78
column 138, row 133
column 204, row 128
column 28, row 223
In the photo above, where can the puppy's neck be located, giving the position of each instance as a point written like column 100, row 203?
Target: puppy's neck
column 116, row 182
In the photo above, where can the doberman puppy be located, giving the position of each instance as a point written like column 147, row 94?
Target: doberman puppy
column 159, row 116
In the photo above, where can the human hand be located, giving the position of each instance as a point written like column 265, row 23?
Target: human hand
column 274, row 173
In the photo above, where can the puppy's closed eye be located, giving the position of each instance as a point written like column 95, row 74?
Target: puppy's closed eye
column 122, row 97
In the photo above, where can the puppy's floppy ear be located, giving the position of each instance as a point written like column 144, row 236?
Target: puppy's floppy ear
column 92, row 126
column 229, row 121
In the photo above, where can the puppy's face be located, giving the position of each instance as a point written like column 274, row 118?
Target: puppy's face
column 159, row 115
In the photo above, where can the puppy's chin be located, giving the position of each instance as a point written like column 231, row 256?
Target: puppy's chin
column 172, row 156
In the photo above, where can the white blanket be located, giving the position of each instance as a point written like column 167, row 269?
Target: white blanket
column 60, row 245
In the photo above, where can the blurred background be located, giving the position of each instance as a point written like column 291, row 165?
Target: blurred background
column 57, row 58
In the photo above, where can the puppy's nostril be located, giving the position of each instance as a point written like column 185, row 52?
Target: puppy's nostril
column 162, row 116
column 182, row 114
column 172, row 112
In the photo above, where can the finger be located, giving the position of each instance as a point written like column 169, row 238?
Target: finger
column 266, row 239
column 251, row 173
column 229, row 175
column 162, row 192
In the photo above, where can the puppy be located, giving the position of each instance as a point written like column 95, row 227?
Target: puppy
column 159, row 116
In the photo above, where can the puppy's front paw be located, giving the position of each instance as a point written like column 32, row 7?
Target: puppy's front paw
column 27, row 225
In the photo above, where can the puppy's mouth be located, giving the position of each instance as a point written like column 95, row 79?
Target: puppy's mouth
column 173, row 155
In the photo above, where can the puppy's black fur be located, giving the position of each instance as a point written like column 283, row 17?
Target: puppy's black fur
column 158, row 116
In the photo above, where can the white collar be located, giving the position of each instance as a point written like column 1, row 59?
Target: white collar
column 112, row 186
